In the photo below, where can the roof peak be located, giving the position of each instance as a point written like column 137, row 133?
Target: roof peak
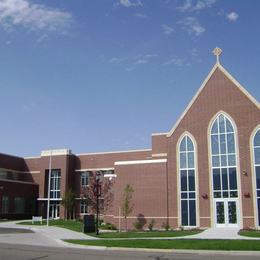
column 229, row 76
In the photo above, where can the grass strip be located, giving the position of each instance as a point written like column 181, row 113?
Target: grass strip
column 250, row 233
column 77, row 226
column 193, row 244
column 146, row 234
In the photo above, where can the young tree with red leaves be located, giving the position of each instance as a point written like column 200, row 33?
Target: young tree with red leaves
column 106, row 195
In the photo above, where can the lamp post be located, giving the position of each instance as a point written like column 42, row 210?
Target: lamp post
column 49, row 187
column 97, row 191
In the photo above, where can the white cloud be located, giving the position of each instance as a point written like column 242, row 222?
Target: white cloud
column 186, row 6
column 141, row 61
column 167, row 29
column 140, row 15
column 130, row 3
column 193, row 6
column 176, row 61
column 32, row 16
column 232, row 17
column 135, row 60
column 117, row 60
column 194, row 52
column 192, row 26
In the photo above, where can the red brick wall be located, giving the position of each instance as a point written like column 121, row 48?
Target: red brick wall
column 159, row 144
column 220, row 94
column 106, row 160
column 149, row 196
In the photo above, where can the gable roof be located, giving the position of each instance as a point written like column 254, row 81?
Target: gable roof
column 230, row 77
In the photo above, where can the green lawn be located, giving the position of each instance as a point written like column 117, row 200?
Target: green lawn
column 240, row 245
column 250, row 233
column 74, row 225
column 146, row 234
column 77, row 226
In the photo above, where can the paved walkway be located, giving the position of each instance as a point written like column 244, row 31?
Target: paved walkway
column 40, row 235
column 219, row 233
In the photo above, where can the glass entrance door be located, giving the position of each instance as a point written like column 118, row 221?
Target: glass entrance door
column 54, row 210
column 226, row 213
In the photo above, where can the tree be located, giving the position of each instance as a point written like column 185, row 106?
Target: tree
column 106, row 197
column 68, row 201
column 127, row 207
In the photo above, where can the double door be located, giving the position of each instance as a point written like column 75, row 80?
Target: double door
column 54, row 210
column 226, row 212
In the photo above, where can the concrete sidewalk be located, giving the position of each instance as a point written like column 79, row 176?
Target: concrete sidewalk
column 220, row 233
column 41, row 236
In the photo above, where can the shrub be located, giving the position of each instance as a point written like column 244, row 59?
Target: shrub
column 165, row 226
column 108, row 226
column 151, row 225
column 138, row 225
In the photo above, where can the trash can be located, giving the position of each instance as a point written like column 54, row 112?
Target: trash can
column 88, row 224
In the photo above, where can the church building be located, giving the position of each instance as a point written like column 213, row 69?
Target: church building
column 204, row 172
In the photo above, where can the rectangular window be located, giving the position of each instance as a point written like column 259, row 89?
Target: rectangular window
column 183, row 180
column 5, row 205
column 214, row 143
column 258, row 207
column 83, row 207
column 257, row 173
column 184, row 213
column 55, row 184
column 224, row 179
column 191, row 174
column 19, row 205
column 192, row 212
column 232, row 179
column 3, row 174
column 84, row 179
column 216, row 179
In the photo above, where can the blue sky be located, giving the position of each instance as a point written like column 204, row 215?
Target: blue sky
column 103, row 75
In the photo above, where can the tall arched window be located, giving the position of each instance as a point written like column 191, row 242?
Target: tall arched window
column 187, row 182
column 256, row 147
column 224, row 171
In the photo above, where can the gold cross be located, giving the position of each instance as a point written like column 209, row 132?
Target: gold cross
column 217, row 52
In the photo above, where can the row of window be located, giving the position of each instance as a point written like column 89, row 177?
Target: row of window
column 12, row 175
column 85, row 176
column 223, row 169
column 19, row 205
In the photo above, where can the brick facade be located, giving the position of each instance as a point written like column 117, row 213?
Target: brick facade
column 154, row 173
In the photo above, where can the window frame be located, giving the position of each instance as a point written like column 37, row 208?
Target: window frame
column 19, row 205
column 84, row 179
column 5, row 204
column 83, row 205
column 224, row 193
column 256, row 189
column 55, row 184
column 190, row 197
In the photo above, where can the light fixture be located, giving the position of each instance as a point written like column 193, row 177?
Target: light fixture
column 245, row 173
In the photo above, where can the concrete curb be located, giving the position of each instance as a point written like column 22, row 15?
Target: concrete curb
column 177, row 251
